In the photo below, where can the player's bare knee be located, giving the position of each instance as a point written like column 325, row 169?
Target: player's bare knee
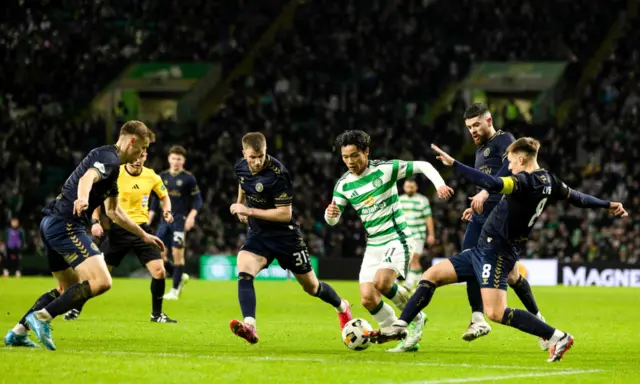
column 494, row 314
column 311, row 286
column 156, row 269
column 100, row 284
column 369, row 302
column 382, row 284
column 514, row 275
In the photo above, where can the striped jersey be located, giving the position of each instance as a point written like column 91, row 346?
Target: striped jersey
column 416, row 209
column 374, row 196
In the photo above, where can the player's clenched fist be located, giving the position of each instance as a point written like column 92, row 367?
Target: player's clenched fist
column 333, row 210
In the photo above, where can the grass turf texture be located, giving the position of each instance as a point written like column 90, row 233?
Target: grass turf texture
column 114, row 341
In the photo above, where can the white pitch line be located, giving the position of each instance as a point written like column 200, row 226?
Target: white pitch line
column 316, row 360
column 505, row 377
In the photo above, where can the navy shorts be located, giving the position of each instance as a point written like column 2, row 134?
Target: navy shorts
column 173, row 233
column 67, row 243
column 120, row 242
column 290, row 251
column 472, row 234
column 488, row 266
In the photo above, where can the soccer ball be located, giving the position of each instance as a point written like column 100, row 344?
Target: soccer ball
column 355, row 334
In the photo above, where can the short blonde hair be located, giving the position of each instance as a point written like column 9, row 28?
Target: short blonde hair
column 525, row 145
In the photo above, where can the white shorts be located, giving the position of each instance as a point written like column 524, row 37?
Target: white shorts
column 394, row 255
column 418, row 246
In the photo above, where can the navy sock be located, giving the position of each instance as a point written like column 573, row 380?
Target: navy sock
column 42, row 302
column 157, row 290
column 327, row 294
column 246, row 295
column 523, row 290
column 474, row 296
column 418, row 301
column 527, row 322
column 168, row 266
column 74, row 297
column 177, row 275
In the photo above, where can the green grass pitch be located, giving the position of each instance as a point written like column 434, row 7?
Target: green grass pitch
column 114, row 341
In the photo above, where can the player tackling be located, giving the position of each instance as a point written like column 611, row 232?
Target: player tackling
column 265, row 187
column 370, row 187
column 491, row 158
column 503, row 236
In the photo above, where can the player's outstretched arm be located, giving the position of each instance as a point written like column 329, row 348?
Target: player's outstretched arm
column 115, row 213
column 584, row 200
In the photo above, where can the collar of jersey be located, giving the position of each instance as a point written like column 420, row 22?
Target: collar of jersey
column 489, row 140
column 131, row 174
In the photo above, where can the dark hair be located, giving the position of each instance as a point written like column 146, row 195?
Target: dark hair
column 178, row 150
column 411, row 180
column 137, row 128
column 360, row 139
column 527, row 145
column 475, row 110
column 254, row 140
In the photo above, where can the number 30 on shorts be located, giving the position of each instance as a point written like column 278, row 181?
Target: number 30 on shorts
column 486, row 271
column 302, row 258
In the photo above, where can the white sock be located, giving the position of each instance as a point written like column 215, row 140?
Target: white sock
column 250, row 321
column 43, row 315
column 539, row 316
column 20, row 330
column 401, row 297
column 401, row 323
column 342, row 307
column 385, row 316
column 557, row 335
column 477, row 317
column 413, row 277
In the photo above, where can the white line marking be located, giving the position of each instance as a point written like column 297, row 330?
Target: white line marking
column 505, row 377
column 320, row 360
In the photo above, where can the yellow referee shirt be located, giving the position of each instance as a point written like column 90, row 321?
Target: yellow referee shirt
column 134, row 192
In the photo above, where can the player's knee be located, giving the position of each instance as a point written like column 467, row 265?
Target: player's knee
column 383, row 285
column 369, row 302
column 101, row 284
column 311, row 287
column 514, row 275
column 158, row 272
column 494, row 314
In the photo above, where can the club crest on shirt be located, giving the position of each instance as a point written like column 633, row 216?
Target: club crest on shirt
column 179, row 183
column 259, row 187
column 487, row 152
column 377, row 182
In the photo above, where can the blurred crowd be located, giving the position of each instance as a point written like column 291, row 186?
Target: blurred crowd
column 371, row 65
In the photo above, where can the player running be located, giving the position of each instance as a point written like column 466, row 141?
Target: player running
column 491, row 158
column 135, row 183
column 265, row 186
column 370, row 187
column 185, row 202
column 74, row 260
column 503, row 236
column 420, row 221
